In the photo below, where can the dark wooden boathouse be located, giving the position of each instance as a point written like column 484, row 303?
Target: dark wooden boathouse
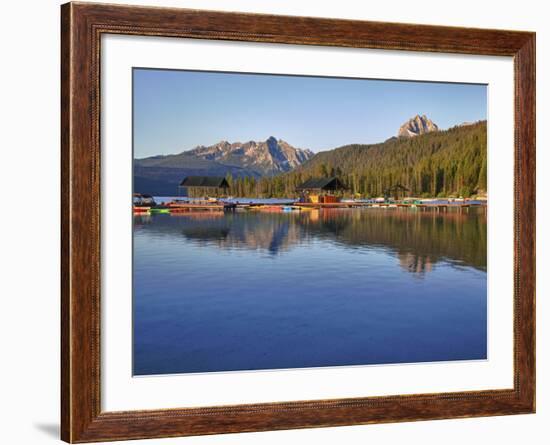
column 204, row 186
column 396, row 191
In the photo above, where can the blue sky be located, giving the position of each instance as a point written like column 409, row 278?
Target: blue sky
column 178, row 110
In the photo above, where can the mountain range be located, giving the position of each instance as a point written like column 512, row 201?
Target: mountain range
column 421, row 157
column 161, row 174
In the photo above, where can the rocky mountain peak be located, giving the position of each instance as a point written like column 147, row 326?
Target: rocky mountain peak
column 417, row 125
column 267, row 157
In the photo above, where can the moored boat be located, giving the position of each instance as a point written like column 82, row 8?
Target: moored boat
column 142, row 203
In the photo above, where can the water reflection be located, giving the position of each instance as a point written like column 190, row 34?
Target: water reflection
column 418, row 238
column 257, row 290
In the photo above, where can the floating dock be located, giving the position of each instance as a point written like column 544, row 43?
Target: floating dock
column 348, row 205
column 175, row 208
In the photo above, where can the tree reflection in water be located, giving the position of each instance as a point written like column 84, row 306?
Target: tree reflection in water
column 418, row 238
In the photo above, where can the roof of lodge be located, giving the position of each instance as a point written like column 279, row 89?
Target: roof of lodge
column 204, row 181
column 397, row 187
column 321, row 184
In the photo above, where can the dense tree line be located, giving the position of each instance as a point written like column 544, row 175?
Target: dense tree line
column 444, row 163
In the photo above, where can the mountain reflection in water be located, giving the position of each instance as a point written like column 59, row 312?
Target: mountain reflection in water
column 254, row 290
column 419, row 238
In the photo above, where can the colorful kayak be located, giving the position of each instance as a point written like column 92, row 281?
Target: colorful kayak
column 156, row 210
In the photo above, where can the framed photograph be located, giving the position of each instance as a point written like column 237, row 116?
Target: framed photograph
column 274, row 222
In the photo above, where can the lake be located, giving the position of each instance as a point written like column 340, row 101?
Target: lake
column 254, row 290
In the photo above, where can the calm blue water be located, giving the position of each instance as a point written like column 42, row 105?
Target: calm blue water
column 255, row 290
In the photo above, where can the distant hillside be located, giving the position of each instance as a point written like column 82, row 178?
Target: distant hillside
column 162, row 174
column 435, row 163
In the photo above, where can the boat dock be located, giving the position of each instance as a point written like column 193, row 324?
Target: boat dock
column 427, row 205
column 180, row 207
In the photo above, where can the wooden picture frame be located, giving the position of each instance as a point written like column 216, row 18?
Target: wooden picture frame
column 82, row 25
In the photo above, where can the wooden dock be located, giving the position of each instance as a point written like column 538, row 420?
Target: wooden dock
column 344, row 205
column 220, row 207
column 176, row 208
